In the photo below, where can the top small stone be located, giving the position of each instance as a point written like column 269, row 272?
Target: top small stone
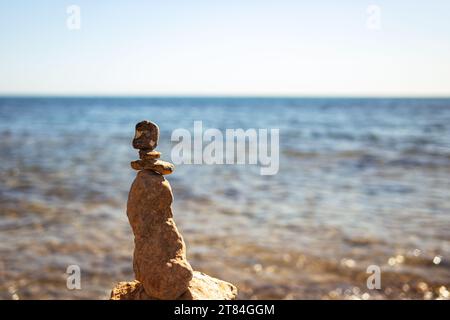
column 147, row 135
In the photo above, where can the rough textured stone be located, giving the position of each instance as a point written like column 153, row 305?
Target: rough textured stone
column 146, row 154
column 132, row 290
column 204, row 287
column 162, row 167
column 160, row 254
column 159, row 262
column 146, row 136
column 201, row 287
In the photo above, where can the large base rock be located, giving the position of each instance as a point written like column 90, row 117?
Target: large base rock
column 159, row 251
column 201, row 287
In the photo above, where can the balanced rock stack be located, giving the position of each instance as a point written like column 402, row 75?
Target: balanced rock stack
column 159, row 262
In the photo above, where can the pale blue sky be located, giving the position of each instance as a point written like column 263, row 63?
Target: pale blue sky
column 245, row 47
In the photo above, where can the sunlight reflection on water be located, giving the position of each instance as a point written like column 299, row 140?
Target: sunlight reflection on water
column 361, row 182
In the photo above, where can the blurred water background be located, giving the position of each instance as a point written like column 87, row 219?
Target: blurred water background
column 361, row 182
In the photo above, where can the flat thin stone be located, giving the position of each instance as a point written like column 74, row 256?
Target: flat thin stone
column 149, row 155
column 159, row 166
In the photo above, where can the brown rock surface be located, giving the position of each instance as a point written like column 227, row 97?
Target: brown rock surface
column 146, row 136
column 149, row 155
column 201, row 287
column 160, row 166
column 132, row 290
column 159, row 262
column 204, row 287
column 160, row 254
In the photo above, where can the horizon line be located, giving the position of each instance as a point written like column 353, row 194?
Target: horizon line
column 230, row 96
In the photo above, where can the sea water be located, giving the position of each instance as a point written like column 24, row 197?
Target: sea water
column 361, row 182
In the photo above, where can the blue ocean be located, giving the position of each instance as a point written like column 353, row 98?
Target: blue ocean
column 361, row 182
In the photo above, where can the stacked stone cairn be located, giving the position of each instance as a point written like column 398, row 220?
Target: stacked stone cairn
column 159, row 262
